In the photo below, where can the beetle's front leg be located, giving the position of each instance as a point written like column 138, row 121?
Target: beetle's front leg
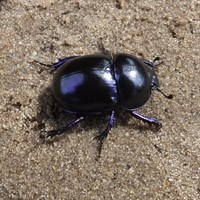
column 147, row 119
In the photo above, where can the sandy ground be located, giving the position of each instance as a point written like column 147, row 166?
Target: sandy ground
column 136, row 162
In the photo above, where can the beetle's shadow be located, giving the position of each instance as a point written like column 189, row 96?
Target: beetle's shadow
column 51, row 114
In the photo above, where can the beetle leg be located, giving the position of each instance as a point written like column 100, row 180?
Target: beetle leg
column 149, row 120
column 61, row 61
column 57, row 64
column 101, row 138
column 52, row 133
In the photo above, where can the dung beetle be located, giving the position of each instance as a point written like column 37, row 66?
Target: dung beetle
column 100, row 83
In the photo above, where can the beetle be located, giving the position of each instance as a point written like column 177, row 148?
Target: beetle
column 100, row 83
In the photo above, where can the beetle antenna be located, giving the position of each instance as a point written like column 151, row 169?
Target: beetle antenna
column 156, row 59
column 170, row 96
column 155, row 64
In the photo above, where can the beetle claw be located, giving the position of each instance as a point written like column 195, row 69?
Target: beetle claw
column 44, row 134
column 157, row 125
column 154, row 122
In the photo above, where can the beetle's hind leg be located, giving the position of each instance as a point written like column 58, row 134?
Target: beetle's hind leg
column 61, row 61
column 101, row 138
column 147, row 119
column 57, row 64
column 52, row 133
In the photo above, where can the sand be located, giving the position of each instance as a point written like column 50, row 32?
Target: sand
column 136, row 161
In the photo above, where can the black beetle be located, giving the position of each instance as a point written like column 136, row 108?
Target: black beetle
column 99, row 83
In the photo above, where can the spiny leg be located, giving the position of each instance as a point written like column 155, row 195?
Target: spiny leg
column 147, row 119
column 57, row 64
column 101, row 138
column 52, row 133
column 61, row 61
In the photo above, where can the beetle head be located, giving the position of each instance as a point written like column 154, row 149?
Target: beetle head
column 153, row 76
